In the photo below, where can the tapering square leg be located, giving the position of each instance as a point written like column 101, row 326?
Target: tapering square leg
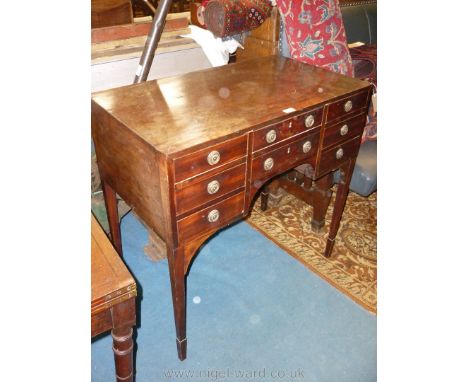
column 340, row 201
column 110, row 200
column 178, row 286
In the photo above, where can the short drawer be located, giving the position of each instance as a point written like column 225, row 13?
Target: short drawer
column 347, row 106
column 209, row 158
column 276, row 133
column 344, row 130
column 210, row 188
column 283, row 158
column 332, row 158
column 211, row 218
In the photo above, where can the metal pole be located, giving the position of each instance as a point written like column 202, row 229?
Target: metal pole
column 152, row 41
column 150, row 6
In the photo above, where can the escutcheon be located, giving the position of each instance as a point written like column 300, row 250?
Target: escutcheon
column 306, row 146
column 213, row 157
column 309, row 121
column 339, row 153
column 268, row 164
column 271, row 136
column 348, row 106
column 344, row 130
column 213, row 216
column 213, row 187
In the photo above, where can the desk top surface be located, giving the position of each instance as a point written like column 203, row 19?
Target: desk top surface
column 177, row 113
column 111, row 282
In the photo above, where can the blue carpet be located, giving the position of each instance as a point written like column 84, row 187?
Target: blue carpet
column 261, row 316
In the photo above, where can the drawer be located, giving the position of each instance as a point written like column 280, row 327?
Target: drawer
column 211, row 218
column 347, row 106
column 344, row 130
column 283, row 158
column 332, row 158
column 198, row 193
column 209, row 158
column 275, row 133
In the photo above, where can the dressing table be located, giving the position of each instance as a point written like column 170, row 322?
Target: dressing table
column 190, row 153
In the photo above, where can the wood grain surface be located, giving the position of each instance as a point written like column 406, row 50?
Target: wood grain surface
column 111, row 282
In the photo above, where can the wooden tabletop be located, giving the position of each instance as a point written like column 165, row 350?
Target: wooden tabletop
column 111, row 282
column 177, row 113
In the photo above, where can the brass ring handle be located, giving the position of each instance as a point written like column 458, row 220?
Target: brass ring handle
column 271, row 136
column 344, row 130
column 268, row 164
column 213, row 216
column 213, row 187
column 339, row 153
column 309, row 121
column 213, row 157
column 348, row 106
column 306, row 146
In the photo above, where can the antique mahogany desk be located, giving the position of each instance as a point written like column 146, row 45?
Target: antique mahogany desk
column 113, row 292
column 189, row 153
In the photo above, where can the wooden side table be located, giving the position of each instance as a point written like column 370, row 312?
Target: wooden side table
column 113, row 292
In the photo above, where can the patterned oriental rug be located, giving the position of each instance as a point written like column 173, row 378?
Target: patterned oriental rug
column 352, row 268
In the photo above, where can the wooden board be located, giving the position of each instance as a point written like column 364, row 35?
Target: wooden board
column 262, row 41
column 119, row 32
column 128, row 41
column 105, row 13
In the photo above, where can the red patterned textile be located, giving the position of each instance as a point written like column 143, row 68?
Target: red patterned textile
column 316, row 33
column 228, row 17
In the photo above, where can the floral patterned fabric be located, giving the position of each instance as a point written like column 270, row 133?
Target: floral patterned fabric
column 316, row 34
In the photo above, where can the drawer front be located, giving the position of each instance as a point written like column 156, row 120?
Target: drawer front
column 344, row 130
column 201, row 192
column 273, row 134
column 283, row 158
column 209, row 158
column 347, row 106
column 332, row 158
column 211, row 218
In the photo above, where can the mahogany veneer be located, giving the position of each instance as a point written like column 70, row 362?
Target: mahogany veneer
column 189, row 153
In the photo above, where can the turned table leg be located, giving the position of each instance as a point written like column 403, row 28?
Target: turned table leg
column 340, row 201
column 110, row 200
column 123, row 320
column 321, row 196
column 123, row 353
